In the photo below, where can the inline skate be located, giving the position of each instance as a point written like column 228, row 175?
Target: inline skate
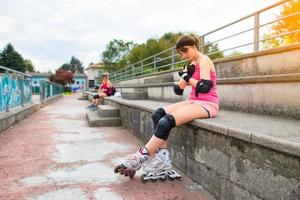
column 132, row 163
column 159, row 168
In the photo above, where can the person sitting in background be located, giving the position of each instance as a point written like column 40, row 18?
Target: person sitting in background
column 105, row 90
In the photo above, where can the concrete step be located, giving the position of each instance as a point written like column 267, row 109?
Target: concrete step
column 108, row 111
column 84, row 97
column 136, row 95
column 95, row 120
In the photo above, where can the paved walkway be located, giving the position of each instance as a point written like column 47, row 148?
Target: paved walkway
column 53, row 154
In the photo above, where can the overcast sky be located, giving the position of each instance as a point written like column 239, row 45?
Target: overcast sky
column 49, row 32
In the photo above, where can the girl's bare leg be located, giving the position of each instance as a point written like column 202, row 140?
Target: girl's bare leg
column 181, row 117
column 102, row 94
column 175, row 106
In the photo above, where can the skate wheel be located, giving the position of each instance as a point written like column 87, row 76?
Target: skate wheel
column 142, row 178
column 125, row 172
column 153, row 180
column 131, row 174
column 162, row 179
column 117, row 169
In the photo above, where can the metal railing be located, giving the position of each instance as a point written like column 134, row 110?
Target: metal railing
column 49, row 89
column 15, row 89
column 169, row 59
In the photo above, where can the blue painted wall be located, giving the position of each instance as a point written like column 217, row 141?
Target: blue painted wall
column 11, row 88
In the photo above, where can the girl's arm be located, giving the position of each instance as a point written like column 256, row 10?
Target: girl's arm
column 205, row 67
column 109, row 85
column 181, row 84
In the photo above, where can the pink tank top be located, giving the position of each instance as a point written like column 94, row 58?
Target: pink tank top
column 104, row 87
column 212, row 95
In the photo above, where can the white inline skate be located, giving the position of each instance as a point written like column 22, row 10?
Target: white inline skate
column 132, row 163
column 159, row 168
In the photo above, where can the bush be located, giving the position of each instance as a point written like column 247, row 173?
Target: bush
column 67, row 90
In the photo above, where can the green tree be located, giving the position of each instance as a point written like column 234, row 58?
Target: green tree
column 12, row 59
column 29, row 65
column 288, row 24
column 212, row 51
column 210, row 48
column 235, row 53
column 118, row 54
column 74, row 65
column 151, row 47
column 114, row 53
column 66, row 67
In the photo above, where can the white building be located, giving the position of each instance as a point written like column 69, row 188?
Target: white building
column 94, row 73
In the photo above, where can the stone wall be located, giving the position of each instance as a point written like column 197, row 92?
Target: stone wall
column 229, row 168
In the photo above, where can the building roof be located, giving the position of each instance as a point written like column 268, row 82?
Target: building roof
column 40, row 74
column 80, row 75
column 97, row 65
column 76, row 75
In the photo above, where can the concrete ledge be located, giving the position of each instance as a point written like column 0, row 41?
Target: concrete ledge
column 84, row 97
column 261, row 79
column 279, row 134
column 89, row 94
column 259, row 53
column 136, row 95
column 272, row 95
column 95, row 120
column 238, row 80
column 108, row 111
column 162, row 79
column 14, row 116
column 51, row 99
column 233, row 156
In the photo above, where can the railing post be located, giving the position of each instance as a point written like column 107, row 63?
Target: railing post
column 154, row 58
column 41, row 92
column 31, row 88
column 22, row 90
column 9, row 88
column 142, row 67
column 256, row 32
column 173, row 57
column 132, row 71
column 202, row 44
column 125, row 76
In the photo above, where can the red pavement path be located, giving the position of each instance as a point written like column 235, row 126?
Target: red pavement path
column 53, row 154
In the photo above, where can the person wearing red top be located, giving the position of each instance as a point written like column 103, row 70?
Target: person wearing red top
column 105, row 90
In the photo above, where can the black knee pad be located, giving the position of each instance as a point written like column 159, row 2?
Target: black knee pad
column 164, row 127
column 157, row 115
column 96, row 96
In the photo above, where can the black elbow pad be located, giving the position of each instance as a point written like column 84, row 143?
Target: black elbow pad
column 177, row 89
column 203, row 86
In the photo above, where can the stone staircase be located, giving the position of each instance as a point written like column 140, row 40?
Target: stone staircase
column 105, row 115
column 252, row 149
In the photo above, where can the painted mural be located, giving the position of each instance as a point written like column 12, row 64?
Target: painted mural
column 11, row 92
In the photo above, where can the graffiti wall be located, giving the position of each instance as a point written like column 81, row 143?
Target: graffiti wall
column 14, row 91
column 49, row 89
